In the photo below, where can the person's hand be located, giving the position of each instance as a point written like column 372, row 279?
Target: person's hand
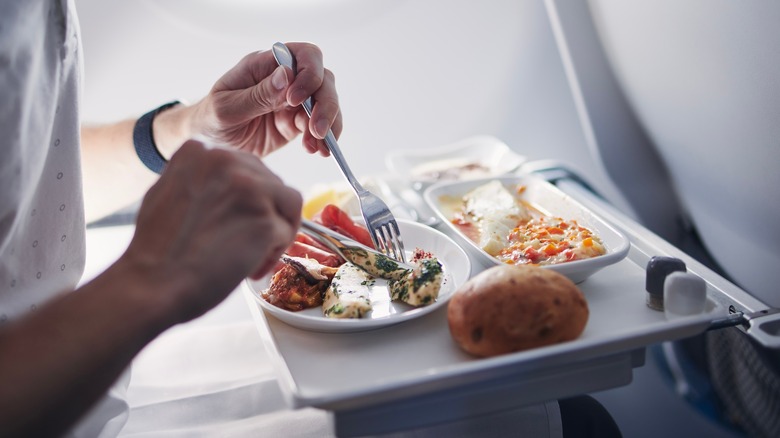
column 256, row 105
column 214, row 217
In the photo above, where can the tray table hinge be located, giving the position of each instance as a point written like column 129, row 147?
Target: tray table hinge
column 763, row 326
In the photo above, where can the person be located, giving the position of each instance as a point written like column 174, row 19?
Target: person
column 62, row 347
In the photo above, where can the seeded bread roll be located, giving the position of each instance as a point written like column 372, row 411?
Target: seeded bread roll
column 512, row 308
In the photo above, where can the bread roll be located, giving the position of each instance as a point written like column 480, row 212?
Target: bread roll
column 511, row 308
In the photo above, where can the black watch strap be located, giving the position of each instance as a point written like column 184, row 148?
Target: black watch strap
column 144, row 140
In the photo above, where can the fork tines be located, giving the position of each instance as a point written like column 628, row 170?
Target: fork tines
column 389, row 242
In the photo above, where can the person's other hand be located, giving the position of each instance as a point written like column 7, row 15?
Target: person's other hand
column 256, row 105
column 213, row 218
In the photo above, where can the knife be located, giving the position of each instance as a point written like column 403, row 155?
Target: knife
column 368, row 259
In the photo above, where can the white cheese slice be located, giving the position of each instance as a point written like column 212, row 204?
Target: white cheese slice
column 492, row 201
column 493, row 236
column 496, row 212
column 348, row 295
column 421, row 286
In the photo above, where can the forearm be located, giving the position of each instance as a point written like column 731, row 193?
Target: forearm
column 114, row 176
column 58, row 361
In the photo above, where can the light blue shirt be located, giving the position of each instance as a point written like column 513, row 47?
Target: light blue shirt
column 41, row 202
column 42, row 227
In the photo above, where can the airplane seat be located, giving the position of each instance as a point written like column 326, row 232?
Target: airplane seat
column 682, row 104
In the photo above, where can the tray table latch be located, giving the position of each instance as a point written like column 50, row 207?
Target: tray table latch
column 763, row 326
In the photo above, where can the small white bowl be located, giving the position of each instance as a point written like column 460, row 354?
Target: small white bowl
column 423, row 167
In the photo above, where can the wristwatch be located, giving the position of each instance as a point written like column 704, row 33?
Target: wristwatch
column 143, row 139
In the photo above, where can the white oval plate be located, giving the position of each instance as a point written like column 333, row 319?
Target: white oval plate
column 550, row 200
column 455, row 263
column 488, row 151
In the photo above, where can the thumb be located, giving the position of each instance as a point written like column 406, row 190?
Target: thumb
column 268, row 95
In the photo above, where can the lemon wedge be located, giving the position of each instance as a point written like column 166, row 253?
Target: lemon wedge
column 314, row 203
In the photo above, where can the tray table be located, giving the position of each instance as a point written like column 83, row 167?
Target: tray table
column 413, row 374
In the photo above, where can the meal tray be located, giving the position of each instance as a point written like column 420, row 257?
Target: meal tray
column 418, row 360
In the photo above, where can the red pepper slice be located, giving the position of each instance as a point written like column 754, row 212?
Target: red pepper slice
column 339, row 221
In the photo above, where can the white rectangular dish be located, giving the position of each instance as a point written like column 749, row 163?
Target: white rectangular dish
column 475, row 157
column 550, row 201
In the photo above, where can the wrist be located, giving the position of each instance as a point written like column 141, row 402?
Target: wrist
column 171, row 128
column 151, row 291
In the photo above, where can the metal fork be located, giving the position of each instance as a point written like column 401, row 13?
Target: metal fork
column 380, row 222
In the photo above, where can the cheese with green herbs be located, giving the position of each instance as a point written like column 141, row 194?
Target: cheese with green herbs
column 420, row 286
column 348, row 295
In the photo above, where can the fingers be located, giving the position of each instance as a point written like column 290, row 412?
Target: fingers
column 310, row 75
column 317, row 82
column 286, row 203
column 311, row 143
column 264, row 98
column 326, row 108
column 256, row 105
column 214, row 217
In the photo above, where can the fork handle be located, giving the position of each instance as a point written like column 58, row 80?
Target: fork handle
column 333, row 147
column 330, row 141
column 284, row 57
